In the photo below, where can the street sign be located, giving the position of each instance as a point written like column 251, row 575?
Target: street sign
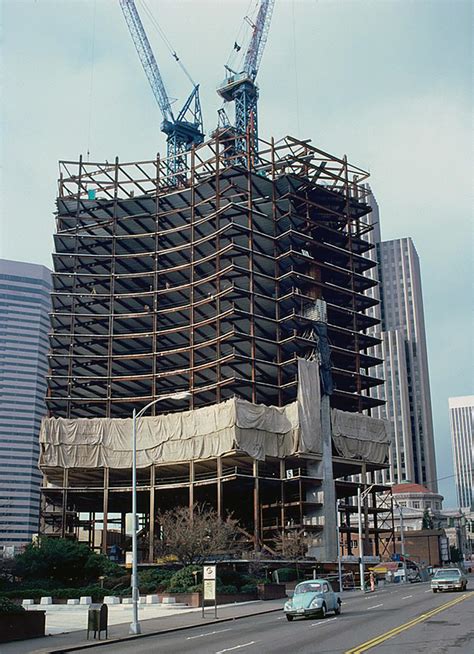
column 209, row 589
column 209, row 572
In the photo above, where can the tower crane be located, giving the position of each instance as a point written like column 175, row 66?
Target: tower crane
column 240, row 87
column 182, row 131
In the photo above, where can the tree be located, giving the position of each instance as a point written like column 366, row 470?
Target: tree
column 193, row 535
column 292, row 545
column 61, row 560
column 455, row 554
column 427, row 520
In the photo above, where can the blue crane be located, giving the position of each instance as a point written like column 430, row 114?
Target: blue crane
column 240, row 87
column 186, row 129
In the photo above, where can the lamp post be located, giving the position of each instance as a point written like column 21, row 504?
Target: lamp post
column 135, row 625
column 402, row 542
column 360, row 497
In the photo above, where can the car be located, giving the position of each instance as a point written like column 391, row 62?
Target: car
column 314, row 597
column 448, row 579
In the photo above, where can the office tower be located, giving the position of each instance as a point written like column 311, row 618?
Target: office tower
column 24, row 326
column 406, row 364
column 461, row 418
column 225, row 285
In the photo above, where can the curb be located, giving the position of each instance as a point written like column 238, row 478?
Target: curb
column 123, row 639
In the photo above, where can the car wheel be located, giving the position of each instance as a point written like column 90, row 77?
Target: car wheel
column 322, row 613
column 435, row 590
column 289, row 618
column 337, row 610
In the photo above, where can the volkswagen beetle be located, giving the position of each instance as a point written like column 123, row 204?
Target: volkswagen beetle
column 314, row 597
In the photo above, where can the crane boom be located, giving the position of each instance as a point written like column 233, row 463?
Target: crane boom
column 147, row 58
column 187, row 129
column 241, row 88
column 254, row 53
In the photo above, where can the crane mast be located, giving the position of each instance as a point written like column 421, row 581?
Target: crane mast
column 240, row 87
column 186, row 129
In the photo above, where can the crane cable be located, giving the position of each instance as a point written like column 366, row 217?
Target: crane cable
column 166, row 41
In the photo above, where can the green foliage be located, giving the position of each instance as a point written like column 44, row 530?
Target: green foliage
column 182, row 580
column 7, row 606
column 287, row 574
column 155, row 579
column 427, row 520
column 248, row 588
column 62, row 562
column 227, row 588
column 455, row 554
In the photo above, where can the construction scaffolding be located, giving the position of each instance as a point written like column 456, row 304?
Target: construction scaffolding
column 212, row 284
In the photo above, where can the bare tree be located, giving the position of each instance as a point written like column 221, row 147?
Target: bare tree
column 194, row 535
column 292, row 545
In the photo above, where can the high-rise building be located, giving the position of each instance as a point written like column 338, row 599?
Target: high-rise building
column 461, row 417
column 234, row 285
column 24, row 325
column 407, row 385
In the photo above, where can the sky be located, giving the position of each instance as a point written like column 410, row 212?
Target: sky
column 387, row 82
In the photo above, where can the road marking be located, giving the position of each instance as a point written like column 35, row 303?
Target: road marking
column 208, row 633
column 369, row 644
column 428, row 591
column 373, row 607
column 317, row 624
column 407, row 596
column 371, row 597
column 229, row 649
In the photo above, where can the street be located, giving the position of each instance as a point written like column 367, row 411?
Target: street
column 398, row 619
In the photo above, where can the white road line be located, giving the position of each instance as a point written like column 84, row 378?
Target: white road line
column 229, row 649
column 209, row 633
column 428, row 591
column 373, row 607
column 371, row 597
column 318, row 624
column 282, row 618
column 407, row 596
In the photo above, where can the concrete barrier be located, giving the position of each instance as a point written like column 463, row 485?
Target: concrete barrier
column 72, row 602
column 46, row 600
column 28, row 602
column 127, row 600
column 152, row 599
column 85, row 599
column 169, row 600
column 111, row 599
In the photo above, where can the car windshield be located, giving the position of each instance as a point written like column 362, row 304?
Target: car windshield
column 308, row 587
column 451, row 574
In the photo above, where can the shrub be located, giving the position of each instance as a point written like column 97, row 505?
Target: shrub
column 155, row 579
column 287, row 574
column 227, row 588
column 7, row 606
column 248, row 588
column 63, row 562
column 182, row 580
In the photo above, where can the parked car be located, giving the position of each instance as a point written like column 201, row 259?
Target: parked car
column 448, row 579
column 312, row 598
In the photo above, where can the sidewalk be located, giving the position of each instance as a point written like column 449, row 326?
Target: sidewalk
column 193, row 617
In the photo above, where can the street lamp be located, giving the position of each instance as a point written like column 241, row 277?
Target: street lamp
column 402, row 541
column 360, row 497
column 135, row 625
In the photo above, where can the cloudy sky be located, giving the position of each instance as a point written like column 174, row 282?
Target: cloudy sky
column 387, row 82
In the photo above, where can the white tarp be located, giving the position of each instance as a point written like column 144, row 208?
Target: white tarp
column 357, row 436
column 203, row 433
column 309, row 406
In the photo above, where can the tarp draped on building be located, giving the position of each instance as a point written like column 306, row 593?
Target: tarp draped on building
column 357, row 436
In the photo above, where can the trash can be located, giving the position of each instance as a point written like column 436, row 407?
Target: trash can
column 97, row 620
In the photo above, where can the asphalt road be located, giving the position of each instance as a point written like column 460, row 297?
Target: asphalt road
column 396, row 620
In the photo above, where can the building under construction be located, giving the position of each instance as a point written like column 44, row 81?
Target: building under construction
column 242, row 282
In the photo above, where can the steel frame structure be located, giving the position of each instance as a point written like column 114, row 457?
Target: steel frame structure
column 208, row 287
